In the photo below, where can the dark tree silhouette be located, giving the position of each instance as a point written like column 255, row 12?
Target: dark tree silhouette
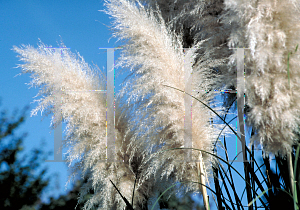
column 20, row 183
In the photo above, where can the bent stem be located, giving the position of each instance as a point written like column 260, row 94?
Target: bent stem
column 202, row 186
column 296, row 207
column 291, row 173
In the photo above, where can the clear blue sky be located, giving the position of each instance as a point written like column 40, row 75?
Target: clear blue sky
column 80, row 26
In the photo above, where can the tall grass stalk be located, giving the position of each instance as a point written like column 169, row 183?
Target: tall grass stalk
column 202, row 180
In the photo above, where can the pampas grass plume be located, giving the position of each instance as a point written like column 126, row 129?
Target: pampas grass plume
column 271, row 30
column 155, row 57
column 84, row 111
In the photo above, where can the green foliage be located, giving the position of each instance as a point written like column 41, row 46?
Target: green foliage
column 184, row 203
column 66, row 202
column 21, row 186
column 271, row 178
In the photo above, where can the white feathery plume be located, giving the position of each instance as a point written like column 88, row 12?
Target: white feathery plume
column 156, row 58
column 84, row 111
column 197, row 21
column 270, row 28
